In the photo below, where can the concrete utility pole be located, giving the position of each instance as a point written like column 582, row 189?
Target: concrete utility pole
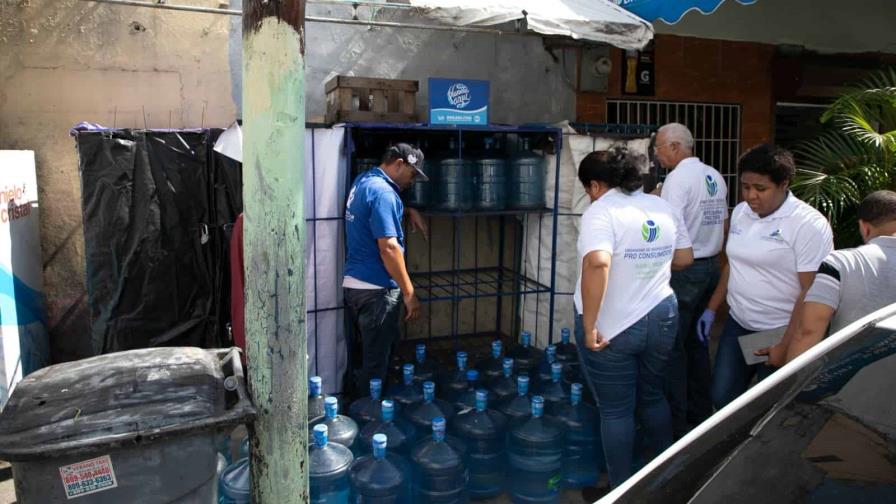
column 274, row 243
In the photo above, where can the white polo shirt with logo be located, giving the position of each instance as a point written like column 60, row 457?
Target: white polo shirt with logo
column 641, row 232
column 699, row 191
column 765, row 256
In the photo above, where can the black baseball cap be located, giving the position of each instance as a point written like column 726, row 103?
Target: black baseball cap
column 410, row 155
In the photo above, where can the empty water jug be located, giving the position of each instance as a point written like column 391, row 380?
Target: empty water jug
column 467, row 400
column 526, row 180
column 401, row 433
column 422, row 414
column 518, row 406
column 439, row 471
column 234, row 483
column 534, row 456
column 329, row 464
column 420, row 192
column 315, row 397
column 341, row 429
column 544, row 369
column 407, row 392
column 425, row 369
column 526, row 357
column 583, row 452
column 568, row 355
column 554, row 392
column 382, row 477
column 455, row 381
column 492, row 366
column 454, row 191
column 490, row 187
column 367, row 408
column 504, row 386
column 483, row 431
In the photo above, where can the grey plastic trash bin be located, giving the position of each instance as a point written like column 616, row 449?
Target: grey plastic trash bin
column 133, row 427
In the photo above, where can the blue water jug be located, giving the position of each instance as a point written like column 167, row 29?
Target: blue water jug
column 401, row 433
column 439, row 471
column 222, row 445
column 568, row 355
column 504, row 386
column 518, row 406
column 554, row 392
column 544, row 369
column 365, row 409
column 525, row 357
column 583, row 452
column 492, row 367
column 315, row 397
column 467, row 400
column 422, row 414
column 234, row 483
column 525, row 182
column 244, row 448
column 455, row 382
column 424, row 369
column 329, row 464
column 490, row 185
column 534, row 456
column 380, row 478
column 341, row 429
column 482, row 431
column 407, row 393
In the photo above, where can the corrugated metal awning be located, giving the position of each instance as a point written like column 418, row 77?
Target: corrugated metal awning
column 594, row 20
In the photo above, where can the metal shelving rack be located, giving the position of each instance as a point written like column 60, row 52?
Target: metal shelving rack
column 482, row 281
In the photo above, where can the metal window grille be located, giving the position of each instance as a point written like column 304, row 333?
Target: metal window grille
column 716, row 128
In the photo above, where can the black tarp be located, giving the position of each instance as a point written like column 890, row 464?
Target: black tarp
column 155, row 206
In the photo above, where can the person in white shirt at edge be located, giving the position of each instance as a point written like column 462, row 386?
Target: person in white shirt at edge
column 700, row 193
column 775, row 245
column 628, row 243
column 852, row 283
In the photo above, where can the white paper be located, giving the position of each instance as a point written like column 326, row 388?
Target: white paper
column 759, row 340
column 230, row 143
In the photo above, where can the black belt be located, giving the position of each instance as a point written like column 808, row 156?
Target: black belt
column 711, row 258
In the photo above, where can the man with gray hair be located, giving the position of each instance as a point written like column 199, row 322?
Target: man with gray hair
column 699, row 191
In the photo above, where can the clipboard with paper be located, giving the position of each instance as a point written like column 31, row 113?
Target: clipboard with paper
column 751, row 342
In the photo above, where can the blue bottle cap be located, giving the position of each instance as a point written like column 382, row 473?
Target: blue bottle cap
column 526, row 338
column 429, row 391
column 507, row 366
column 331, row 407
column 472, row 375
column 407, row 372
column 388, row 409
column 421, row 353
column 550, row 353
column 376, row 388
column 556, row 372
column 379, row 445
column 497, row 346
column 522, row 385
column 564, row 335
column 537, row 406
column 314, row 386
column 575, row 393
column 320, row 435
column 481, row 399
column 438, row 429
column 461, row 360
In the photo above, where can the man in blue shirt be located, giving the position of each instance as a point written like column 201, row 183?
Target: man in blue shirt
column 375, row 272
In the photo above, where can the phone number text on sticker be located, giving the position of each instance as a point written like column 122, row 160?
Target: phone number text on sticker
column 87, row 477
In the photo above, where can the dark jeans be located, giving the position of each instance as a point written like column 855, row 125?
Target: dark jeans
column 688, row 377
column 374, row 316
column 732, row 375
column 627, row 377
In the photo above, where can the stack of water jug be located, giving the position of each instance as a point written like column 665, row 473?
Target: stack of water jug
column 517, row 424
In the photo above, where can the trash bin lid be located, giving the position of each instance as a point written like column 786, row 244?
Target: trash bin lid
column 118, row 398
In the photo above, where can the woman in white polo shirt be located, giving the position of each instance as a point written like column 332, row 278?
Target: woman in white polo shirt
column 775, row 245
column 627, row 243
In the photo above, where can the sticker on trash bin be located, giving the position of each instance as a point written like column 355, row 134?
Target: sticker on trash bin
column 87, row 477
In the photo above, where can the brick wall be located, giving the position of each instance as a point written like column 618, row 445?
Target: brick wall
column 702, row 70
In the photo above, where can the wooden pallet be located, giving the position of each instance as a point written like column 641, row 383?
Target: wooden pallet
column 363, row 99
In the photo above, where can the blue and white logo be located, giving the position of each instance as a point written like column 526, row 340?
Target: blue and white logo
column 650, row 231
column 459, row 95
column 712, row 187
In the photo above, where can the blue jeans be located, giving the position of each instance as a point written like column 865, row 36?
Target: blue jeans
column 627, row 378
column 373, row 317
column 688, row 374
column 732, row 375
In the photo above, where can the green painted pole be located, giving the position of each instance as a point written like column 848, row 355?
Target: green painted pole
column 273, row 245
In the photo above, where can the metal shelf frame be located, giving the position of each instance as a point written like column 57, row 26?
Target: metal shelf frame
column 498, row 281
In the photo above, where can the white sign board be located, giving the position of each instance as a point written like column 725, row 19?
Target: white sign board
column 24, row 344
